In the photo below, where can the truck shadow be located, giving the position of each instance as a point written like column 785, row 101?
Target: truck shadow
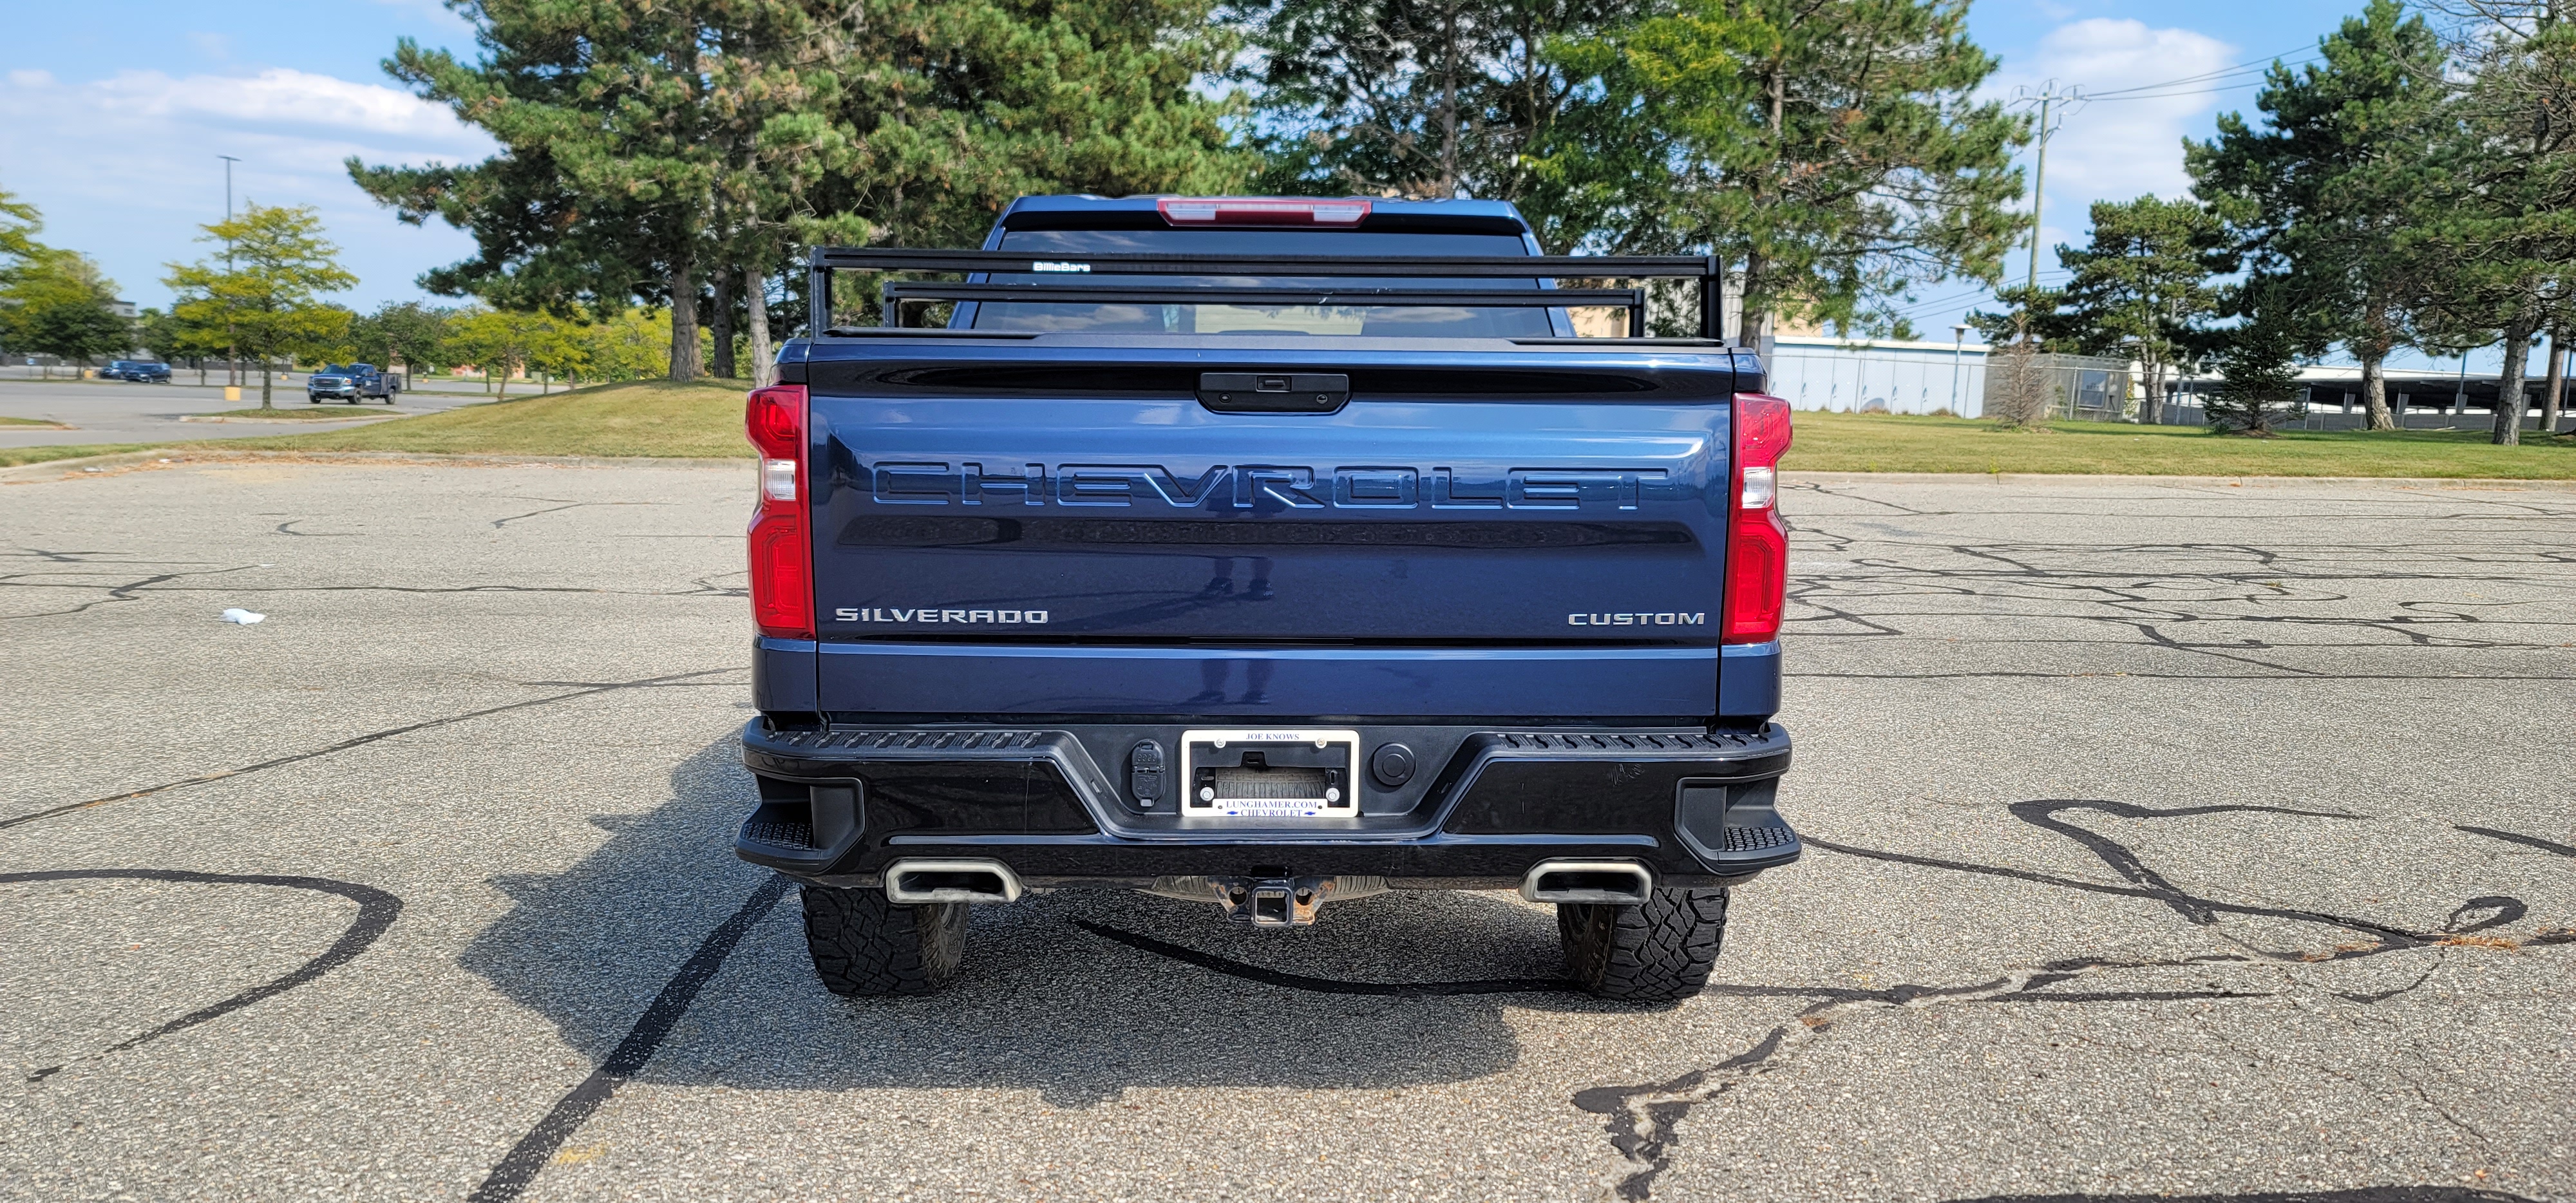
column 1078, row 995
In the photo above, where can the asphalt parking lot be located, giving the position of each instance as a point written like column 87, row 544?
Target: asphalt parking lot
column 2169, row 838
column 108, row 411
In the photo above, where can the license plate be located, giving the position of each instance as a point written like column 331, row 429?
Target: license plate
column 1270, row 774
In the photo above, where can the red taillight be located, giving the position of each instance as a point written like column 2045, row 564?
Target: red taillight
column 782, row 565
column 1260, row 211
column 1757, row 544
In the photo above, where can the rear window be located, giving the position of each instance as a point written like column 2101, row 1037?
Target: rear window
column 1368, row 321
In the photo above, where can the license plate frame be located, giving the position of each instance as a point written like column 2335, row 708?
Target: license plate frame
column 1219, row 762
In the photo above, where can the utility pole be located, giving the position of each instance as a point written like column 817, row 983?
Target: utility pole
column 232, row 344
column 2052, row 102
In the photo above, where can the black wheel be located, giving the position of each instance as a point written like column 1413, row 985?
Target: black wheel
column 865, row 946
column 1657, row 953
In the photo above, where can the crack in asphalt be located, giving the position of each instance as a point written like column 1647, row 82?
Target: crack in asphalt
column 499, row 523
column 377, row 911
column 1643, row 1121
column 1320, row 985
column 356, row 741
column 529, row 1156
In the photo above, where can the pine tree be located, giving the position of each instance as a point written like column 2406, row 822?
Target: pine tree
column 1423, row 98
column 2323, row 192
column 968, row 104
column 646, row 148
column 2500, row 224
column 2258, row 358
column 604, row 187
column 1834, row 149
column 2141, row 286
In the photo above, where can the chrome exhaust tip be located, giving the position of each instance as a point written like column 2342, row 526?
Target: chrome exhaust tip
column 916, row 882
column 1615, row 882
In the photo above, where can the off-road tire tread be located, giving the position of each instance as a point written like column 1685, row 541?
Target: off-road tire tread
column 1660, row 952
column 867, row 947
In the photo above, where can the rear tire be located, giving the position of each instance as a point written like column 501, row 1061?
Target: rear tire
column 867, row 947
column 1660, row 952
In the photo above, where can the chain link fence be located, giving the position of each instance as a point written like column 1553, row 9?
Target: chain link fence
column 2030, row 387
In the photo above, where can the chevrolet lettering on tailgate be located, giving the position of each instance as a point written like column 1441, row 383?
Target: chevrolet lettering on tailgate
column 1267, row 486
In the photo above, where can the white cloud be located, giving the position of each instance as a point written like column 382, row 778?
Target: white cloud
column 2116, row 149
column 276, row 100
column 125, row 167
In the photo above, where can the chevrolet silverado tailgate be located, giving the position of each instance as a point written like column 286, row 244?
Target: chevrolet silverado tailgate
column 1010, row 526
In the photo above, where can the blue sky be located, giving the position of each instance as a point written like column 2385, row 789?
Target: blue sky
column 112, row 114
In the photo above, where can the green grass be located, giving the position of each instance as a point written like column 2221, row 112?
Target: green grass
column 1832, row 442
column 645, row 418
column 15, row 457
column 702, row 420
column 47, row 423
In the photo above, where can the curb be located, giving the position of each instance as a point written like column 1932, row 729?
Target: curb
column 372, row 416
column 96, row 465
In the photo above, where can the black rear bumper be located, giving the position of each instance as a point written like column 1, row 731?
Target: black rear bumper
column 840, row 803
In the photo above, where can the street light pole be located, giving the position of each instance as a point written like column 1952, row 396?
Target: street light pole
column 1958, row 349
column 2460, row 395
column 232, row 344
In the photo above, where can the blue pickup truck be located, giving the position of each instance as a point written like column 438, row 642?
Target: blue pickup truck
column 1265, row 553
column 350, row 382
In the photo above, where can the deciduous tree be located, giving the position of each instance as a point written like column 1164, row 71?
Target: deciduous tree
column 504, row 341
column 19, row 222
column 267, row 286
column 406, row 332
column 57, row 303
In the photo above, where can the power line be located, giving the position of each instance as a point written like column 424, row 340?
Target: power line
column 2253, row 65
column 1975, row 295
column 2250, row 83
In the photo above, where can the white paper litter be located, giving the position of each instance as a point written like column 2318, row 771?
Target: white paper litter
column 242, row 616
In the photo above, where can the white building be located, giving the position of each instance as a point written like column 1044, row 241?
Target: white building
column 1877, row 375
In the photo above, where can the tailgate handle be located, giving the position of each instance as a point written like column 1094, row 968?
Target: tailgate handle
column 1274, row 392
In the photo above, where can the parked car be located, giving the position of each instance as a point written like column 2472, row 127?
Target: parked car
column 1268, row 553
column 350, row 382
column 136, row 371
